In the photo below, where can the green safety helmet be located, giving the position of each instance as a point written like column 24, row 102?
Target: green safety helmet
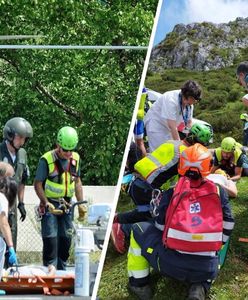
column 244, row 116
column 67, row 138
column 201, row 133
column 228, row 144
column 18, row 126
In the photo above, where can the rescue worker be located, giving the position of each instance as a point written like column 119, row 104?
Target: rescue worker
column 8, row 193
column 57, row 180
column 242, row 78
column 158, row 170
column 16, row 132
column 170, row 110
column 149, row 243
column 230, row 158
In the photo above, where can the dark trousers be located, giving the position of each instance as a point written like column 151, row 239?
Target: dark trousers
column 184, row 267
column 245, row 138
column 56, row 233
column 127, row 219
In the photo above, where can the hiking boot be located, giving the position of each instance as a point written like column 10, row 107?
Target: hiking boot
column 118, row 238
column 142, row 292
column 196, row 292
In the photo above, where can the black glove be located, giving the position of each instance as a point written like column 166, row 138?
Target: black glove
column 22, row 211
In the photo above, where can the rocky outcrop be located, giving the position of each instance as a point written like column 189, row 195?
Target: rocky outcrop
column 201, row 46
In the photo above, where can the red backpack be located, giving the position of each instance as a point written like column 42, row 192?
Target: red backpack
column 194, row 218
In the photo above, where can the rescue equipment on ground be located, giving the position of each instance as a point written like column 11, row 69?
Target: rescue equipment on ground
column 37, row 280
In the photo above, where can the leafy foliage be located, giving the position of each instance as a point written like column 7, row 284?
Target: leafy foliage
column 91, row 90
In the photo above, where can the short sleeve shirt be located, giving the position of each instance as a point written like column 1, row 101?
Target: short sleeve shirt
column 4, row 205
column 167, row 107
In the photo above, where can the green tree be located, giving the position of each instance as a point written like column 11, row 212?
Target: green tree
column 91, row 90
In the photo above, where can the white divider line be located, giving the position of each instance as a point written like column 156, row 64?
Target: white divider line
column 130, row 135
column 71, row 47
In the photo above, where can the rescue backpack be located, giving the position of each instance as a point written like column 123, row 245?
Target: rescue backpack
column 194, row 218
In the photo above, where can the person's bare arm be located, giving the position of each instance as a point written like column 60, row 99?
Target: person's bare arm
column 173, row 128
column 140, row 143
column 237, row 176
column 189, row 124
column 40, row 193
column 214, row 168
column 78, row 189
column 82, row 210
column 232, row 189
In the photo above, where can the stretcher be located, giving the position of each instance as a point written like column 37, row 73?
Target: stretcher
column 37, row 283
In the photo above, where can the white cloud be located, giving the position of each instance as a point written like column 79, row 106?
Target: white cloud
column 189, row 11
column 216, row 11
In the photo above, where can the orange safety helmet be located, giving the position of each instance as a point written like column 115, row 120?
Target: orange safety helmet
column 197, row 159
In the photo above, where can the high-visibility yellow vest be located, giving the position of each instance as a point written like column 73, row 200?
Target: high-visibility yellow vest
column 141, row 110
column 160, row 160
column 66, row 186
column 237, row 152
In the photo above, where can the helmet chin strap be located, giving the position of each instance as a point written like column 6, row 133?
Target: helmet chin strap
column 12, row 144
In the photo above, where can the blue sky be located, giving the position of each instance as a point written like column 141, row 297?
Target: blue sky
column 189, row 11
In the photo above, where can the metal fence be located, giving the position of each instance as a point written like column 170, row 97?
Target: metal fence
column 29, row 241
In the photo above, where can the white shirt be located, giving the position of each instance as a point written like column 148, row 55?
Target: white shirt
column 4, row 204
column 167, row 107
column 218, row 178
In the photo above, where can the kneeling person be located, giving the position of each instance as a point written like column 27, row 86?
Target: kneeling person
column 185, row 250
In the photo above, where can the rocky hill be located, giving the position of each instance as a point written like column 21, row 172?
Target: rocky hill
column 201, row 46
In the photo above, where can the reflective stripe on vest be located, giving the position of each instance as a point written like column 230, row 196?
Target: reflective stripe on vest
column 236, row 153
column 160, row 160
column 67, row 186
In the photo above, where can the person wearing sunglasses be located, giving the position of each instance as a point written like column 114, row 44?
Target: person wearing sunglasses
column 16, row 132
column 57, row 180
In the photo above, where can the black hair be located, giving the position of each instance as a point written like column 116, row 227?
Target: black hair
column 191, row 89
column 8, row 187
column 242, row 67
column 191, row 139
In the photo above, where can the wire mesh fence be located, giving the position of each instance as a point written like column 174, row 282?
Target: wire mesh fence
column 29, row 241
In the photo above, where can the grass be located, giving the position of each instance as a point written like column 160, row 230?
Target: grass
column 231, row 283
column 221, row 97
